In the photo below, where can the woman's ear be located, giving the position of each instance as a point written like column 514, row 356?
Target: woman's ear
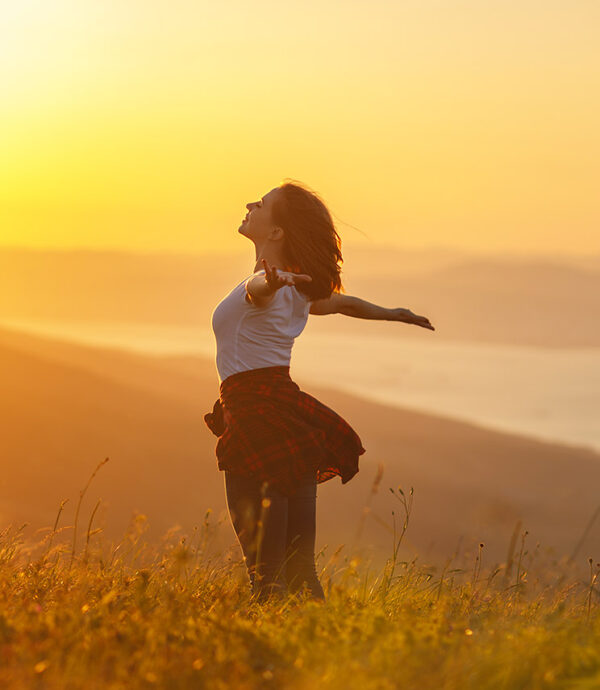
column 277, row 233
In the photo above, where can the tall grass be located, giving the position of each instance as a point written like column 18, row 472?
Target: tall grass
column 176, row 615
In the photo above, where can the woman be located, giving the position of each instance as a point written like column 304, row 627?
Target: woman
column 276, row 442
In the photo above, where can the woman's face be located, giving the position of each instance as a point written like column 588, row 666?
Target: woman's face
column 258, row 223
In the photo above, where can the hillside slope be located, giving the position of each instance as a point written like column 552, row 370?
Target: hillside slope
column 65, row 407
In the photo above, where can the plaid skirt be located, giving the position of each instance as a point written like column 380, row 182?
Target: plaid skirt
column 269, row 429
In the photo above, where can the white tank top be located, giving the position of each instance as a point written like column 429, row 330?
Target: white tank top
column 251, row 337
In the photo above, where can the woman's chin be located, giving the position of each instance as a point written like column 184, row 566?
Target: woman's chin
column 241, row 232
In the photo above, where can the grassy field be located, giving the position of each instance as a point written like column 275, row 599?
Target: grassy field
column 76, row 615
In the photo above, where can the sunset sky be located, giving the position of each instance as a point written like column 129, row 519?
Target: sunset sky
column 148, row 125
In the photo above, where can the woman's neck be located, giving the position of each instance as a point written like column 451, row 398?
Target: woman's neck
column 272, row 255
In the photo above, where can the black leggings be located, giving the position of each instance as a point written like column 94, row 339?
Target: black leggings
column 276, row 534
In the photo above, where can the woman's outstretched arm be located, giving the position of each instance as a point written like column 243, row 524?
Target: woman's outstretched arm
column 361, row 309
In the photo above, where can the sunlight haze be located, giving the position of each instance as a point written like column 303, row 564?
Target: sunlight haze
column 149, row 126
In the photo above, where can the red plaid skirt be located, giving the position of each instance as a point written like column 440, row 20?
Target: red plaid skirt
column 270, row 429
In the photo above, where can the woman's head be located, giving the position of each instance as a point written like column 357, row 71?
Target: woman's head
column 296, row 216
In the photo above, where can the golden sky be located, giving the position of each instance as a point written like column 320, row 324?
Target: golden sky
column 148, row 125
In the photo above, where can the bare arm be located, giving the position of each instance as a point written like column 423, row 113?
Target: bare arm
column 361, row 309
column 260, row 288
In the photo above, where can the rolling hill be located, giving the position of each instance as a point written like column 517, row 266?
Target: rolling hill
column 65, row 407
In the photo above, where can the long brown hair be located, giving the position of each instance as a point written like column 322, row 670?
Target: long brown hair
column 311, row 243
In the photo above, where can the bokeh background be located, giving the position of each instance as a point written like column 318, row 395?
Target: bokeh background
column 457, row 146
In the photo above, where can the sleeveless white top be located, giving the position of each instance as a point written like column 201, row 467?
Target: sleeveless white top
column 251, row 337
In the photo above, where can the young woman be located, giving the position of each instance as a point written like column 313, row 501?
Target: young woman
column 276, row 442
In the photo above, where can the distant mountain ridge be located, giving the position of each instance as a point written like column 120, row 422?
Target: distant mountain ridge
column 523, row 301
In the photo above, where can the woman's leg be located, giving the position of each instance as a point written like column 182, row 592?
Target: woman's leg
column 259, row 517
column 301, row 529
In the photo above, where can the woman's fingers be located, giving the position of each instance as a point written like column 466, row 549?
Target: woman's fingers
column 416, row 319
column 271, row 274
column 424, row 322
column 267, row 270
column 274, row 277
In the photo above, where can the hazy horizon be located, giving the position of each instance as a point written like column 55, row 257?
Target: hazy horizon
column 246, row 247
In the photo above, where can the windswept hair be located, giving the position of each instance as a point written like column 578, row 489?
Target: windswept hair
column 311, row 243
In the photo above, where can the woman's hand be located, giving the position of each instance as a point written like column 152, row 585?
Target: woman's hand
column 407, row 316
column 277, row 279
column 260, row 289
